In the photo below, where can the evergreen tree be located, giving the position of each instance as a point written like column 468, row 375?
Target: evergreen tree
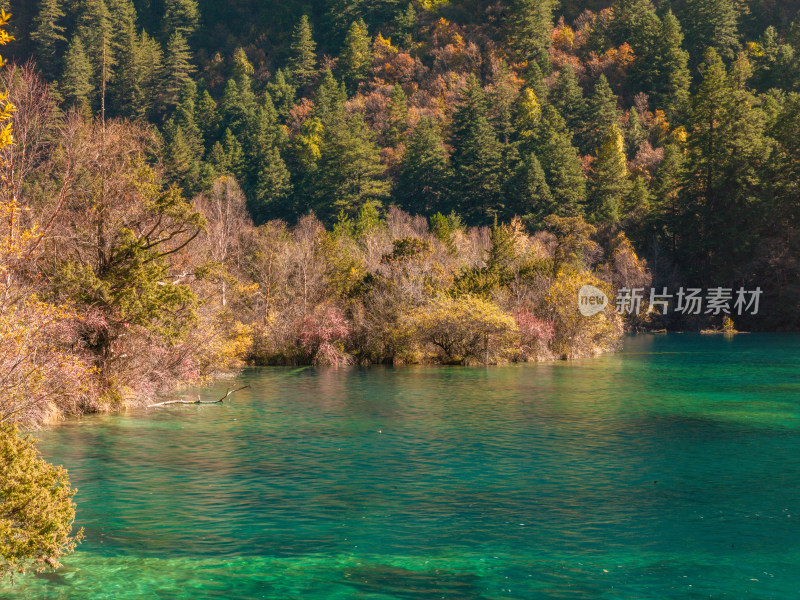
column 184, row 142
column 670, row 65
column 635, row 133
column 274, row 189
column 610, row 184
column 477, row 158
column 329, row 100
column 404, row 24
column 528, row 193
column 227, row 156
column 181, row 17
column 302, row 64
column 76, row 83
column 529, row 26
column 207, row 117
column 356, row 56
column 603, row 113
column 97, row 30
column 561, row 164
column 711, row 24
column 243, row 72
column 48, row 34
column 397, row 118
column 235, row 113
column 567, row 96
column 349, row 175
column 424, row 171
column 501, row 100
column 722, row 187
column 136, row 80
column 282, row 93
column 637, row 24
column 178, row 69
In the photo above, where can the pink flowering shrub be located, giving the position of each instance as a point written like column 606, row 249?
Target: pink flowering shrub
column 322, row 336
column 535, row 334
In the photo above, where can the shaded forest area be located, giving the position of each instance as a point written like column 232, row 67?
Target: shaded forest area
column 194, row 185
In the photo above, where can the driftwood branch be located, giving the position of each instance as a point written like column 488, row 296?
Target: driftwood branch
column 198, row 401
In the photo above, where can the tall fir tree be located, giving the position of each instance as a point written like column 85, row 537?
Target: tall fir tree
column 97, row 30
column 178, row 69
column 424, row 171
column 610, row 184
column 561, row 164
column 528, row 194
column 349, row 174
column 566, row 95
column 180, row 16
column 603, row 114
column 48, row 35
column 136, row 82
column 711, row 24
column 529, row 26
column 477, row 158
column 356, row 56
column 396, row 118
column 670, row 64
column 723, row 187
column 282, row 93
column 303, row 48
column 76, row 82
column 329, row 99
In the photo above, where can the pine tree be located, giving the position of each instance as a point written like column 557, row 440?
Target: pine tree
column 76, row 82
column 603, row 113
column 528, row 193
column 477, row 158
column 349, row 175
column 670, row 64
column 180, row 16
column 567, row 96
column 404, row 24
column 136, row 80
column 185, row 142
column 711, row 24
column 97, row 30
column 635, row 133
column 274, row 189
column 424, row 171
column 610, row 184
column 302, row 64
column 722, row 185
column 48, row 34
column 561, row 164
column 227, row 156
column 397, row 117
column 207, row 117
column 637, row 24
column 501, row 99
column 356, row 56
column 329, row 100
column 529, row 26
column 178, row 69
column 282, row 93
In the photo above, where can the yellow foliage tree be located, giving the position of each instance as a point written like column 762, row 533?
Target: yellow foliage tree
column 464, row 329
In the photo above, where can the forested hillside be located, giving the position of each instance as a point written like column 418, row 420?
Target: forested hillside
column 675, row 123
column 196, row 184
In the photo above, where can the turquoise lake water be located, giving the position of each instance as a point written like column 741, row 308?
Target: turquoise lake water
column 670, row 470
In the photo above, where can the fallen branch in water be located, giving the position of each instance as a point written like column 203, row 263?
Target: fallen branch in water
column 198, row 401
